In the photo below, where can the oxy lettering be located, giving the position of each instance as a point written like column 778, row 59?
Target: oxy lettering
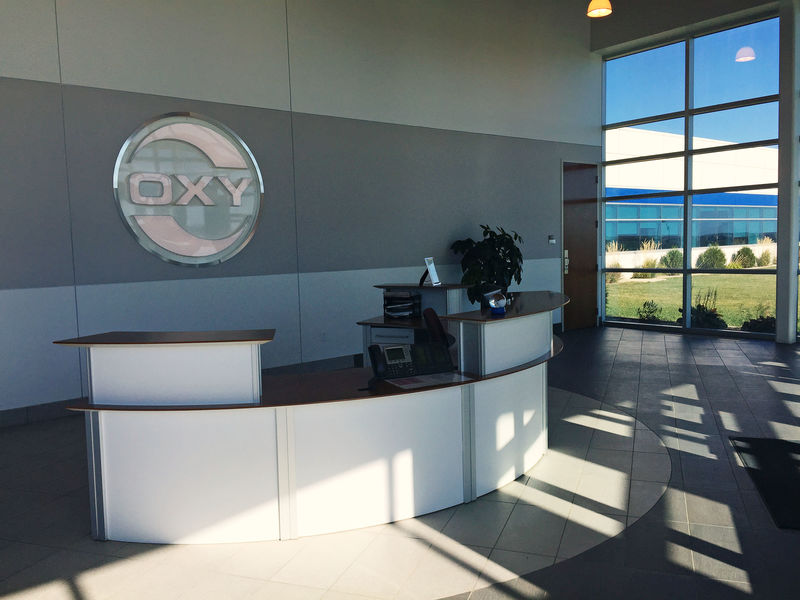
column 193, row 189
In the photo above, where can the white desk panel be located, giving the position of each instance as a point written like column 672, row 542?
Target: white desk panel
column 364, row 462
column 175, row 374
column 182, row 477
column 510, row 426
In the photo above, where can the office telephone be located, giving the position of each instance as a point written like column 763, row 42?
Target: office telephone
column 408, row 360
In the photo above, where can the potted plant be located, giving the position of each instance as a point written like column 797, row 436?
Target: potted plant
column 491, row 263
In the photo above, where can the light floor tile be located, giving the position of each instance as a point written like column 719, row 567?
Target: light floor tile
column 383, row 568
column 504, row 565
column 272, row 590
column 478, row 523
column 532, row 530
column 445, row 571
column 260, row 560
column 212, row 586
column 603, row 493
column 611, row 462
column 323, row 559
column 586, row 529
column 620, row 438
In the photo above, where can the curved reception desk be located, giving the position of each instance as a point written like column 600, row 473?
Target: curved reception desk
column 317, row 453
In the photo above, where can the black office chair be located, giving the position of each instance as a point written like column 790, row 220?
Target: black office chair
column 435, row 328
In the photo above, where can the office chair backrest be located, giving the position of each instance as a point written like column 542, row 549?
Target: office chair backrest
column 436, row 329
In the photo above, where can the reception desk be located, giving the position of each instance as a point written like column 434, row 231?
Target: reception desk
column 317, row 453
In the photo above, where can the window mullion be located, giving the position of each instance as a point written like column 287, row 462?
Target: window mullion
column 688, row 129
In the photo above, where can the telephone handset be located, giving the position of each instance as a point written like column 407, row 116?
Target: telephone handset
column 408, row 360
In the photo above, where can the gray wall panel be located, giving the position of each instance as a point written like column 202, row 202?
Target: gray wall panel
column 233, row 303
column 33, row 370
column 34, row 212
column 378, row 195
column 97, row 124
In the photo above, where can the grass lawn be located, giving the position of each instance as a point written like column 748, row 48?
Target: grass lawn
column 738, row 296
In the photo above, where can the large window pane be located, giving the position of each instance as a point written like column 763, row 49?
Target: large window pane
column 644, row 177
column 641, row 233
column 648, row 300
column 733, row 301
column 731, row 221
column 736, row 126
column 643, row 140
column 730, row 168
column 719, row 77
column 645, row 84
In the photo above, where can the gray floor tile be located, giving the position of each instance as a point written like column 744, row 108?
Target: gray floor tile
column 650, row 466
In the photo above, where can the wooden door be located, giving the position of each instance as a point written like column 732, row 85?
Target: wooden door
column 580, row 245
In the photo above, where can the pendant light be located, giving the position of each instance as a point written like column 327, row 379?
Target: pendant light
column 745, row 54
column 598, row 8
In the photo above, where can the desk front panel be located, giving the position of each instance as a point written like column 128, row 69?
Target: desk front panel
column 189, row 477
column 372, row 461
column 176, row 374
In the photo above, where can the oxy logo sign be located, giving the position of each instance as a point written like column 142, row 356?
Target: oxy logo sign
column 189, row 189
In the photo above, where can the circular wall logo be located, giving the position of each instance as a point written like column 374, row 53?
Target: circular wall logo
column 188, row 189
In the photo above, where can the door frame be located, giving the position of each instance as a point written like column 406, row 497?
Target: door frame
column 600, row 314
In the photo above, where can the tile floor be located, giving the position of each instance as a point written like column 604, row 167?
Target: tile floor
column 646, row 508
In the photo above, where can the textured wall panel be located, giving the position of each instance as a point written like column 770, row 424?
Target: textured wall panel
column 230, row 303
column 34, row 211
column 99, row 121
column 233, row 51
column 502, row 67
column 28, row 42
column 375, row 195
column 33, row 370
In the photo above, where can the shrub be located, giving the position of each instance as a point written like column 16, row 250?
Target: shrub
column 761, row 325
column 764, row 259
column 704, row 312
column 712, row 258
column 648, row 245
column 744, row 257
column 650, row 311
column 734, row 264
column 649, row 263
column 672, row 259
column 612, row 247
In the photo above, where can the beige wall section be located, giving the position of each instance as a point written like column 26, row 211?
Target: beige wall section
column 28, row 47
column 503, row 67
column 232, row 51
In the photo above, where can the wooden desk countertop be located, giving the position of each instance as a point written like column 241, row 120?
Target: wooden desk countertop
column 521, row 304
column 427, row 286
column 133, row 338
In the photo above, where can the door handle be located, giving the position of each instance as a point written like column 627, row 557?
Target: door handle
column 566, row 261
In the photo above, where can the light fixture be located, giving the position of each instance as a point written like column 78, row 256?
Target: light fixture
column 745, row 54
column 598, row 8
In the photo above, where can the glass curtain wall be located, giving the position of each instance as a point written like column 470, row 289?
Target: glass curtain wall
column 690, row 177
